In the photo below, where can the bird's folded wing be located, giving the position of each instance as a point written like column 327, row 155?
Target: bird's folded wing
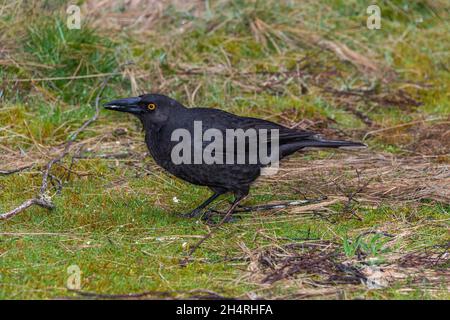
column 284, row 135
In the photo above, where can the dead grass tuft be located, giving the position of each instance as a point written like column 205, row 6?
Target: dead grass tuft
column 134, row 15
column 316, row 258
column 319, row 268
column 391, row 178
column 429, row 139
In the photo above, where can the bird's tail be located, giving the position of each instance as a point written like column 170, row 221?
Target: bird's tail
column 317, row 142
column 324, row 143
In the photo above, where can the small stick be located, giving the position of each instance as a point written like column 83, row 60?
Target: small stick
column 42, row 199
column 204, row 294
column 35, row 201
column 282, row 205
column 7, row 172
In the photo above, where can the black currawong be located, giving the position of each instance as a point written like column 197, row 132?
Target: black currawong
column 161, row 116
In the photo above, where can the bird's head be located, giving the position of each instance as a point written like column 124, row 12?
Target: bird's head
column 151, row 109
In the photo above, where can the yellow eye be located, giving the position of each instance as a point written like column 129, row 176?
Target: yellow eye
column 151, row 106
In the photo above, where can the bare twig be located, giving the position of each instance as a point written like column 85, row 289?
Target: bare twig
column 88, row 76
column 282, row 205
column 191, row 294
column 42, row 199
column 7, row 172
column 42, row 202
column 371, row 133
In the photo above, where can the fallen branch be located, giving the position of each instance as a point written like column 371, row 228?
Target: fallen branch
column 317, row 206
column 87, row 76
column 7, row 172
column 201, row 294
column 371, row 133
column 42, row 199
column 42, row 202
column 281, row 205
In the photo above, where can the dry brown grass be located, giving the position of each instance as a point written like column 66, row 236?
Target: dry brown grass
column 391, row 178
column 317, row 269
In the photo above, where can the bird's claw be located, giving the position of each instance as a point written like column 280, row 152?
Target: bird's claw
column 192, row 214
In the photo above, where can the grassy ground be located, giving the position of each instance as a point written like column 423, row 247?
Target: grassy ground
column 383, row 232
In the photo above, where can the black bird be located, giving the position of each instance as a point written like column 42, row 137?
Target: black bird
column 161, row 116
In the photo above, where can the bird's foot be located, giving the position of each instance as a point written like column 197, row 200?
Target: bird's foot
column 214, row 217
column 192, row 214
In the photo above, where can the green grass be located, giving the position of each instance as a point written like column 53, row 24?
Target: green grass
column 113, row 237
column 123, row 243
column 70, row 53
column 122, row 228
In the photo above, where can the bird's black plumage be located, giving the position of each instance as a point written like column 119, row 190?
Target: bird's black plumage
column 161, row 115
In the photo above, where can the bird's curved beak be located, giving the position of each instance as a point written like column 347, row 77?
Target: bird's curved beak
column 130, row 105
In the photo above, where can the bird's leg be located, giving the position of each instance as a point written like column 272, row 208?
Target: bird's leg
column 227, row 217
column 198, row 211
column 209, row 234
